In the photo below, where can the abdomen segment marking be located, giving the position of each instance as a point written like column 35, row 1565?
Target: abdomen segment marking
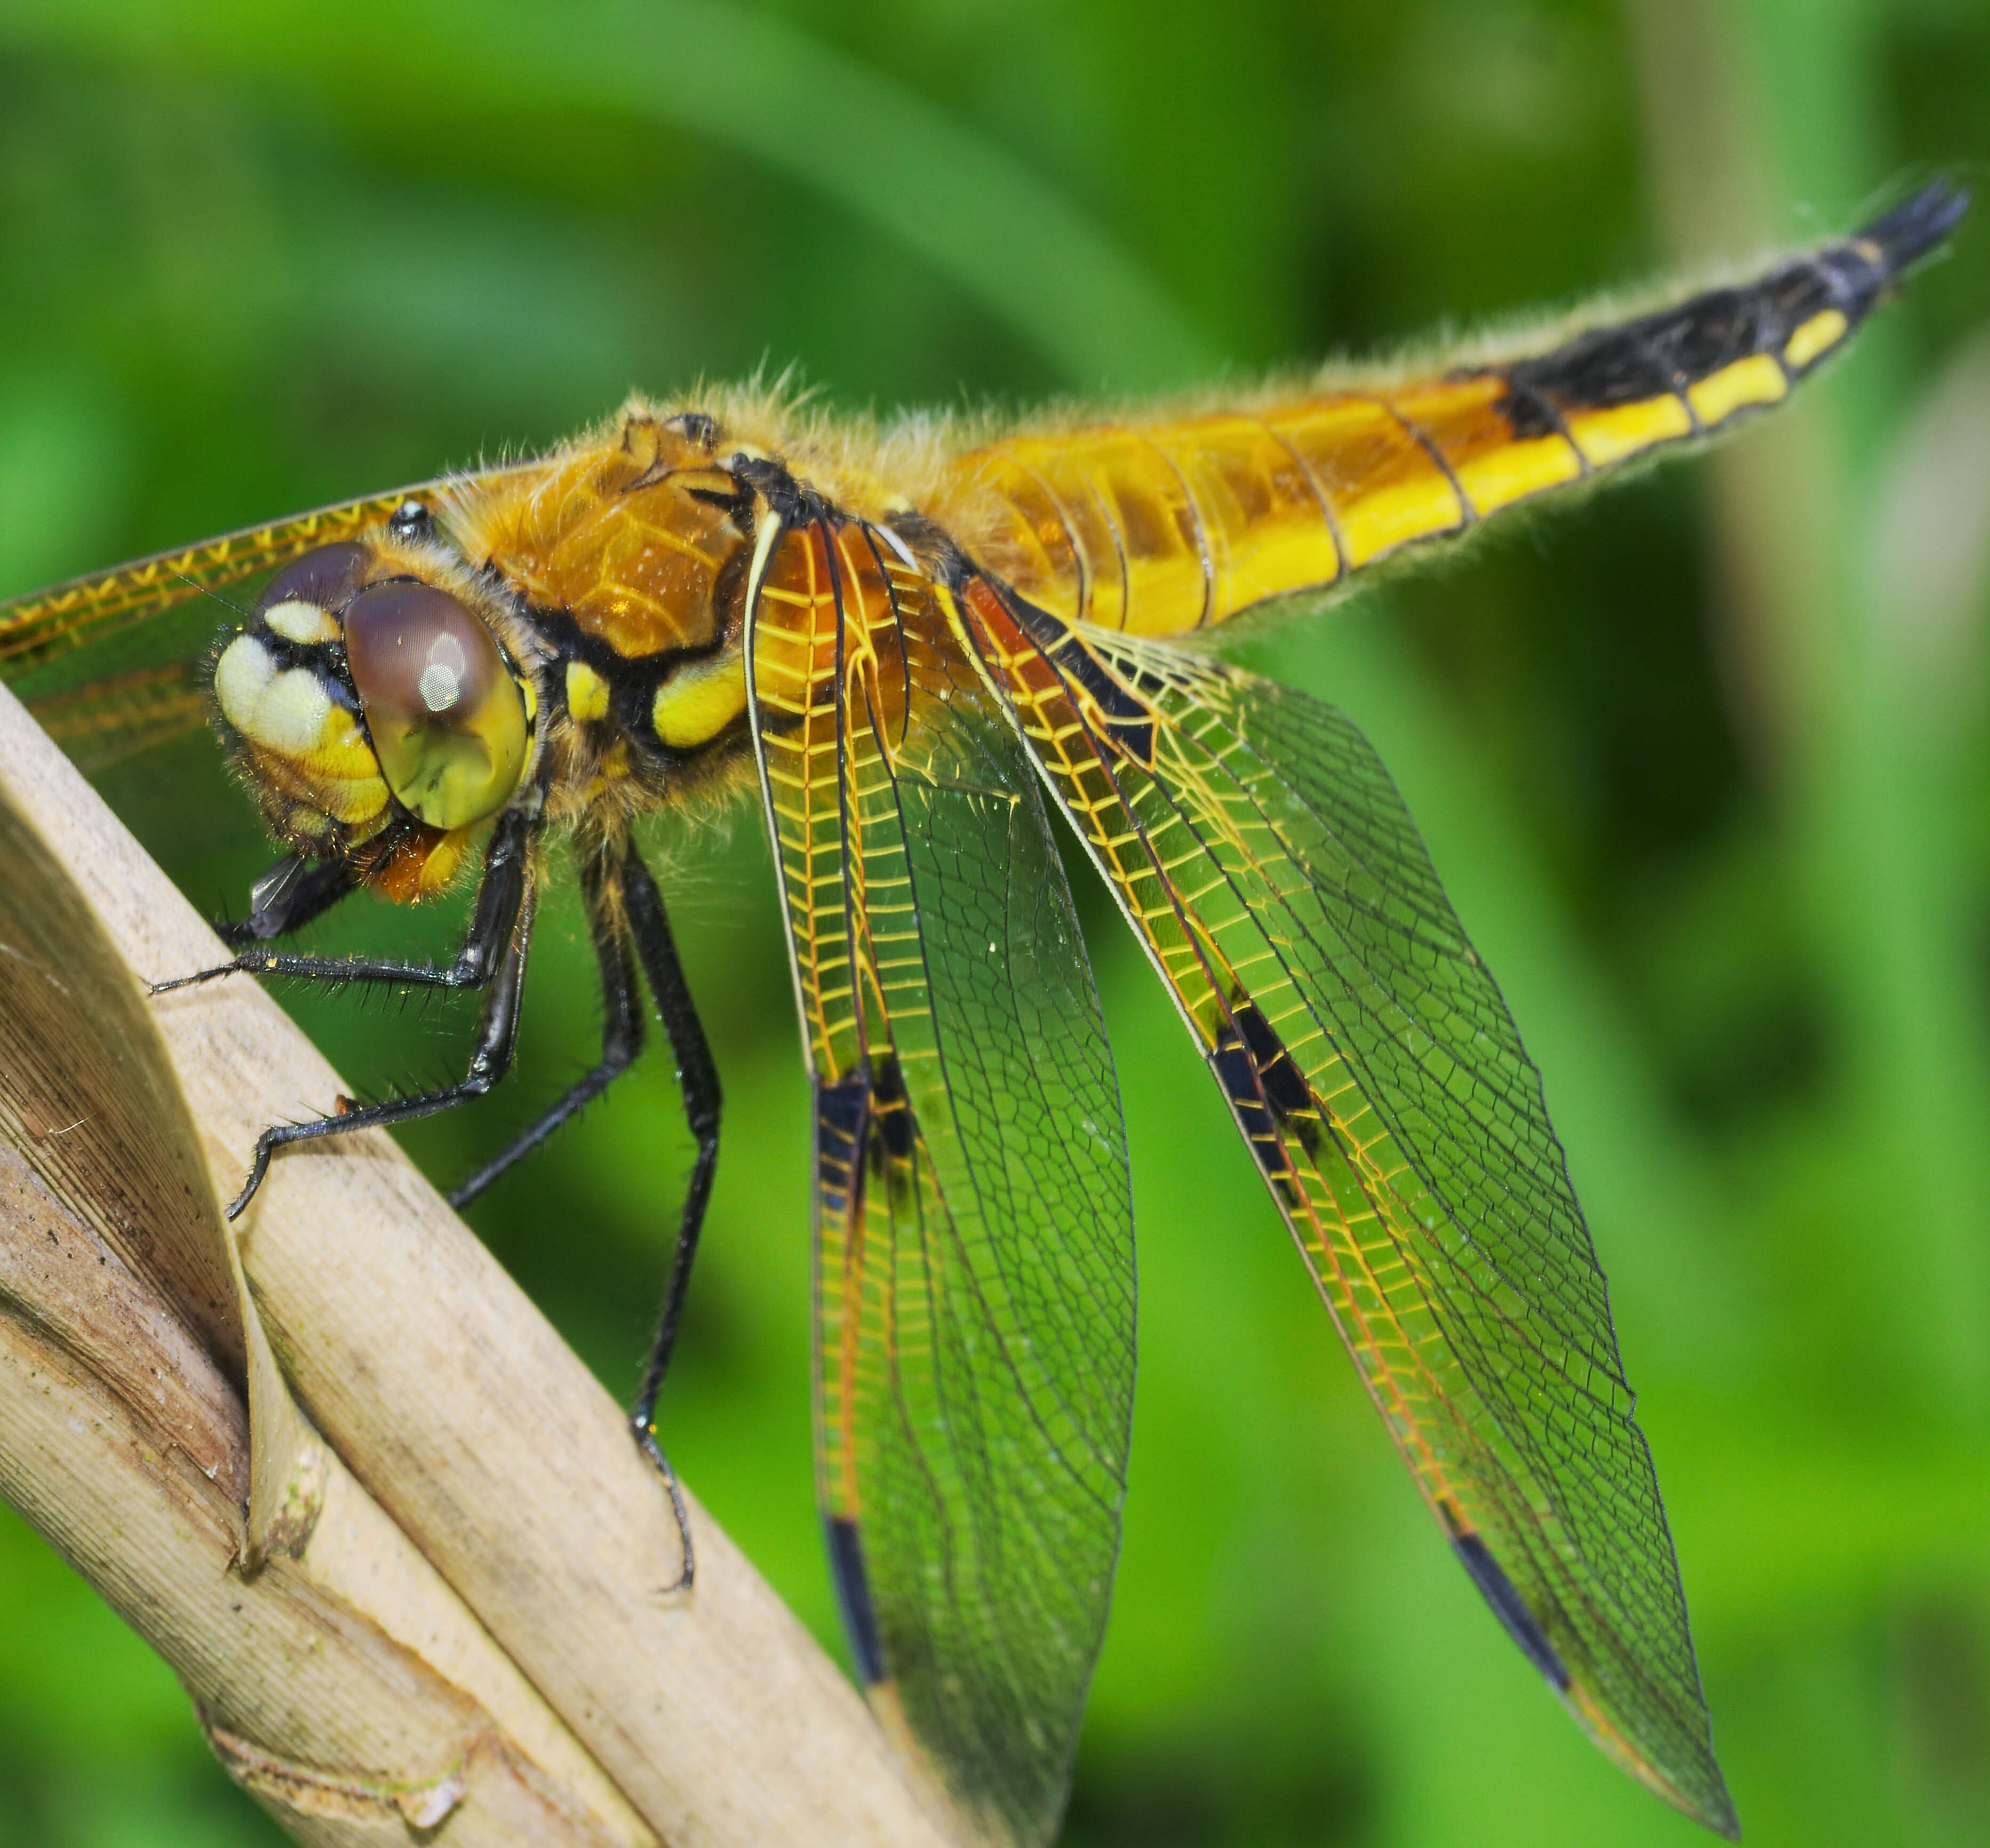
column 1161, row 528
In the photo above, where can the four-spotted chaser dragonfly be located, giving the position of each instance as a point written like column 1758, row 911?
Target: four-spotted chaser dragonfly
column 913, row 648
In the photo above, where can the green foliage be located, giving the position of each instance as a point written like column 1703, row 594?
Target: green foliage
column 1705, row 764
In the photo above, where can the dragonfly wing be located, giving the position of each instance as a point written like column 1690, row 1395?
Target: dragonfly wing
column 1257, row 846
column 105, row 721
column 974, row 1280
column 36, row 629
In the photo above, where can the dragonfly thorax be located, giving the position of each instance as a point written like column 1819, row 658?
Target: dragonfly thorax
column 627, row 560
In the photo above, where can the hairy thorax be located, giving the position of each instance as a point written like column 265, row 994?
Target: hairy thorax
column 624, row 567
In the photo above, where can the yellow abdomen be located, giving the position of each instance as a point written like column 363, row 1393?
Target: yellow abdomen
column 1162, row 527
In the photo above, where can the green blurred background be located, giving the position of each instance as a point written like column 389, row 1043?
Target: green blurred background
column 1705, row 762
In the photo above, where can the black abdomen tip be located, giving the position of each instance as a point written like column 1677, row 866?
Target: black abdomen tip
column 1917, row 224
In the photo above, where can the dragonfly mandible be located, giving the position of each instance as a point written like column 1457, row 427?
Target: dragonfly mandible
column 914, row 646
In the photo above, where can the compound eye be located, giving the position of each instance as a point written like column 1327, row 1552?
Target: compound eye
column 447, row 719
column 323, row 578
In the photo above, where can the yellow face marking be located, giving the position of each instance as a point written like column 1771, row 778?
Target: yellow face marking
column 1816, row 334
column 316, row 800
column 341, row 750
column 292, row 715
column 245, row 670
column 697, row 703
column 312, row 747
column 1755, row 380
column 1609, row 436
column 350, row 800
column 301, row 623
column 1510, row 471
column 528, row 691
column 587, row 692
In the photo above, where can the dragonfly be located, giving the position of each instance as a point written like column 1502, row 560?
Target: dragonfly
column 914, row 645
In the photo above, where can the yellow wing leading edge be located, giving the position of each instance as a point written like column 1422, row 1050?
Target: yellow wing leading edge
column 974, row 1281
column 86, row 609
column 1271, row 873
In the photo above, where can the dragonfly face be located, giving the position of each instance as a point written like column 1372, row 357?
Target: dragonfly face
column 385, row 697
column 917, row 655
column 374, row 711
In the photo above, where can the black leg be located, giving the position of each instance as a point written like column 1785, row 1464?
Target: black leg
column 698, row 1079
column 499, row 936
column 499, row 895
column 287, row 897
column 621, row 1032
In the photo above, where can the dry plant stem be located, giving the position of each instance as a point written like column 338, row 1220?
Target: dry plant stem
column 339, row 1678
column 345, row 1735
column 472, row 1425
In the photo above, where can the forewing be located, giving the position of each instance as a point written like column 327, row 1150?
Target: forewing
column 104, row 721
column 974, row 1238
column 1256, row 844
column 106, row 679
column 36, row 628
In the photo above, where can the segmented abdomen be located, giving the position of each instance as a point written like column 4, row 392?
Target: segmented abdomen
column 1165, row 527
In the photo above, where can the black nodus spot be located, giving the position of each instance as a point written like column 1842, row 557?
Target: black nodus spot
column 853, row 1596
column 1237, row 1074
column 1511, row 1608
column 891, row 1109
column 1285, row 1088
column 840, row 1109
column 1145, row 680
column 1136, row 738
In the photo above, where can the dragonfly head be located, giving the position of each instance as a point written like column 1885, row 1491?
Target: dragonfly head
column 366, row 688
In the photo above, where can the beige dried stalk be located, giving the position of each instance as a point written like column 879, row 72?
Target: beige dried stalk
column 422, row 1598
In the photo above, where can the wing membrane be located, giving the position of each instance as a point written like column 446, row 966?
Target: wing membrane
column 35, row 629
column 1256, row 844
column 974, row 1256
column 107, row 720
